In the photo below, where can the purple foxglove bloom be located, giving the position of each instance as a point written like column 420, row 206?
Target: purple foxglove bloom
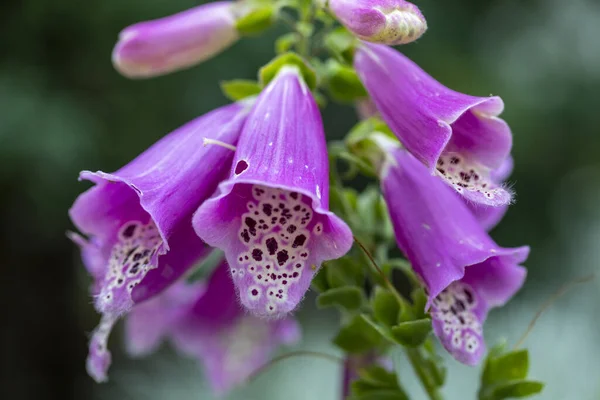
column 390, row 22
column 138, row 219
column 176, row 42
column 458, row 137
column 271, row 217
column 206, row 322
column 465, row 272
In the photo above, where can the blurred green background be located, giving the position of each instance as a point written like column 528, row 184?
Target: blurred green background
column 63, row 108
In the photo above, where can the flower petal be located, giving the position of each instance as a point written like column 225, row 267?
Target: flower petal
column 274, row 205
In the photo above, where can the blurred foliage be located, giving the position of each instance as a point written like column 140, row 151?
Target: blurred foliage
column 63, row 109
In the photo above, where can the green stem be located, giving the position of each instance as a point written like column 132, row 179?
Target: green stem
column 417, row 361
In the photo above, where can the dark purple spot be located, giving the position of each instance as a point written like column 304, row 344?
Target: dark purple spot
column 273, row 276
column 297, row 208
column 284, row 282
column 272, row 245
column 291, row 228
column 267, row 209
column 299, row 241
column 240, row 167
column 254, row 292
column 294, row 195
column 282, row 257
column 295, row 274
column 257, row 254
column 129, row 231
column 245, row 235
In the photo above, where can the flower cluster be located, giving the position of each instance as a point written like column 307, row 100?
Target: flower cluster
column 252, row 179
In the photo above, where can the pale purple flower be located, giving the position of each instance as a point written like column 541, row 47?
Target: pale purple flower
column 176, row 42
column 390, row 22
column 205, row 321
column 465, row 272
column 458, row 137
column 271, row 216
column 138, row 219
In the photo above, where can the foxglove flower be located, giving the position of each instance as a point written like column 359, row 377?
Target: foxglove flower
column 390, row 22
column 176, row 42
column 206, row 322
column 464, row 271
column 458, row 137
column 138, row 219
column 271, row 217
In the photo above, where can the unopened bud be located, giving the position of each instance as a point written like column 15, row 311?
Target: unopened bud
column 389, row 22
column 176, row 42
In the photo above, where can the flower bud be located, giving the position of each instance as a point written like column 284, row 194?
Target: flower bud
column 175, row 42
column 389, row 22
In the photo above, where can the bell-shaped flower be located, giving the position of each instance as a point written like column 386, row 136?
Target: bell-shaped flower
column 390, row 22
column 138, row 219
column 458, row 137
column 206, row 322
column 271, row 216
column 176, row 42
column 465, row 272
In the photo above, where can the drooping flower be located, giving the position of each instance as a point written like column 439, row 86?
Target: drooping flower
column 205, row 321
column 138, row 219
column 175, row 42
column 271, row 217
column 390, row 22
column 465, row 272
column 458, row 137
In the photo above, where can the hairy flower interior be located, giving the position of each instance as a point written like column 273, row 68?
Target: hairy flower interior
column 470, row 180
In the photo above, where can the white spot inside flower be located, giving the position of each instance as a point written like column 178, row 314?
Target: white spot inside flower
column 425, row 226
column 318, row 191
column 438, row 265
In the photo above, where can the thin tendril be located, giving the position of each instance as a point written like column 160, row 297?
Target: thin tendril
column 381, row 273
column 555, row 296
column 292, row 354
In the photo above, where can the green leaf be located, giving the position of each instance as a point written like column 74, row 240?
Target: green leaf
column 256, row 20
column 319, row 281
column 343, row 83
column 345, row 271
column 517, row 389
column 340, row 42
column 385, row 306
column 419, row 301
column 269, row 71
column 412, row 333
column 360, row 335
column 381, row 395
column 238, row 89
column 347, row 297
column 379, row 376
column 507, row 367
column 286, row 42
